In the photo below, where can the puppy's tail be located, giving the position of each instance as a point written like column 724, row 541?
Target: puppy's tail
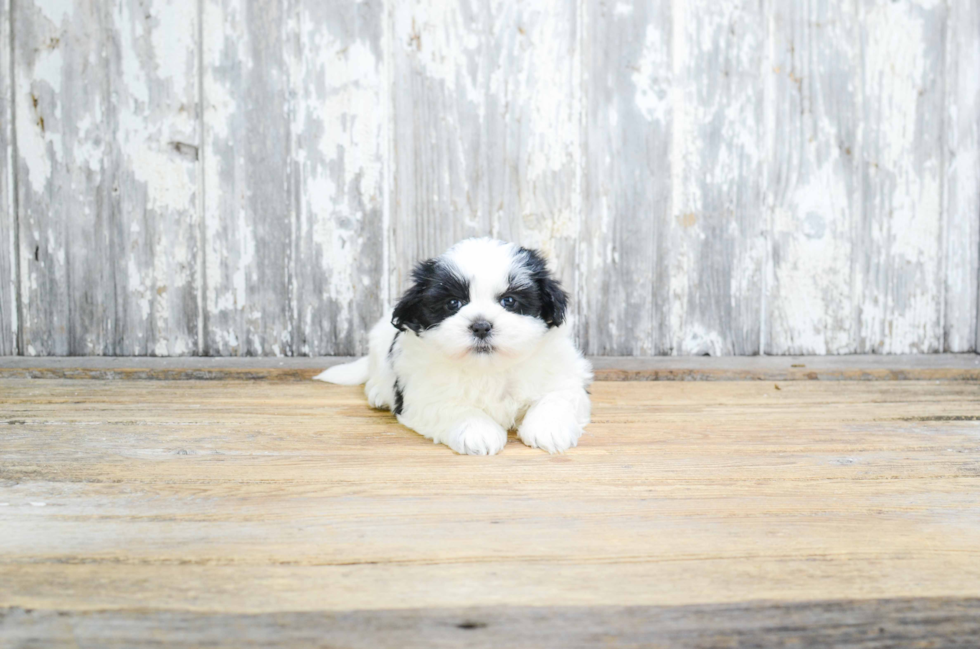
column 354, row 373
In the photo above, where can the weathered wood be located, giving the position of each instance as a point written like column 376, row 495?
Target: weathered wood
column 874, row 624
column 233, row 499
column 292, row 175
column 106, row 125
column 248, row 206
column 814, row 182
column 486, row 132
column 624, row 299
column 154, row 220
column 937, row 367
column 721, row 177
column 961, row 197
column 8, row 217
column 337, row 128
column 899, row 271
column 717, row 242
column 64, row 177
column 866, row 255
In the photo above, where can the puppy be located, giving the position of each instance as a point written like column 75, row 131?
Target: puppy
column 477, row 347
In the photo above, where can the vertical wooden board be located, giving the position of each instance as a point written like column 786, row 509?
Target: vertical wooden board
column 337, row 77
column 105, row 117
column 814, row 182
column 532, row 137
column 486, row 128
column 246, row 157
column 624, row 260
column 900, row 239
column 962, row 176
column 717, row 222
column 64, row 178
column 8, row 221
column 155, row 224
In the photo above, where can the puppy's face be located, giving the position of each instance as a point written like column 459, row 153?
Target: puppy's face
column 483, row 299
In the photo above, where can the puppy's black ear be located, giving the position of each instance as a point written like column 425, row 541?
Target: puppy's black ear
column 409, row 312
column 554, row 300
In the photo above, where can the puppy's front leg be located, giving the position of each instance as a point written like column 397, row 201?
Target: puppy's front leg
column 555, row 422
column 465, row 430
column 476, row 434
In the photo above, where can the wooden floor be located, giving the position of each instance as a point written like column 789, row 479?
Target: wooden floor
column 261, row 513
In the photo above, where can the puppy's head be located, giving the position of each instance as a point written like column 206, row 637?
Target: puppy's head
column 482, row 299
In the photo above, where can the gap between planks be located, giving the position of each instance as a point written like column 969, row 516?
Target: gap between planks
column 927, row 367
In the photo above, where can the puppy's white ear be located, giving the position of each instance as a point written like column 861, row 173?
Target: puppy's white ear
column 354, row 373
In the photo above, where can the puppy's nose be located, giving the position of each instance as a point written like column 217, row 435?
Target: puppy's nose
column 481, row 329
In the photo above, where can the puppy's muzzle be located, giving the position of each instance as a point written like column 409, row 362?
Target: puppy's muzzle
column 481, row 329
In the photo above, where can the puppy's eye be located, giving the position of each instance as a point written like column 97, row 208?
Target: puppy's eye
column 454, row 305
column 508, row 302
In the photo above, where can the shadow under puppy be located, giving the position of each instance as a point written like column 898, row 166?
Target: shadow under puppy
column 476, row 347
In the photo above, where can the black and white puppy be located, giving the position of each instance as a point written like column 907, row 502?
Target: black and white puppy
column 476, row 347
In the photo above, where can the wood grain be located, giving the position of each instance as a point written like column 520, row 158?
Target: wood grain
column 485, row 119
column 624, row 298
column 257, row 177
column 336, row 87
column 154, row 224
column 247, row 498
column 814, row 185
column 900, row 274
column 717, row 238
column 9, row 326
column 106, row 140
column 247, row 172
column 292, row 176
column 961, row 196
column 874, row 624
column 65, row 177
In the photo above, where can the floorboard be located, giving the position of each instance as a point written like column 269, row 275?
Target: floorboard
column 871, row 624
column 168, row 510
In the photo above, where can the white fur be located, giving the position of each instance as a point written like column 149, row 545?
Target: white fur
column 534, row 381
column 355, row 373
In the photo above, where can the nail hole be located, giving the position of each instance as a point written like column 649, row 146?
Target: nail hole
column 470, row 625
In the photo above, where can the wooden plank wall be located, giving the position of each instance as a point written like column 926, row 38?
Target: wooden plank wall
column 8, row 245
column 293, row 176
column 257, row 177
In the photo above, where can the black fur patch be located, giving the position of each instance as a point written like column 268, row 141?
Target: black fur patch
column 427, row 303
column 391, row 349
column 399, row 399
column 536, row 292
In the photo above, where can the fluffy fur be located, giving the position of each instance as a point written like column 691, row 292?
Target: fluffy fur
column 476, row 347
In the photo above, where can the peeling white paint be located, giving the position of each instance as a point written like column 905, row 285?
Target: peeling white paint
column 962, row 177
column 902, row 310
column 441, row 39
column 871, row 223
column 174, row 44
column 894, row 69
column 652, row 94
column 681, row 136
column 341, row 174
column 55, row 10
column 623, row 9
column 814, row 270
column 36, row 143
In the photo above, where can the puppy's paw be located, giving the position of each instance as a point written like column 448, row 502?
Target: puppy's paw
column 477, row 436
column 551, row 426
